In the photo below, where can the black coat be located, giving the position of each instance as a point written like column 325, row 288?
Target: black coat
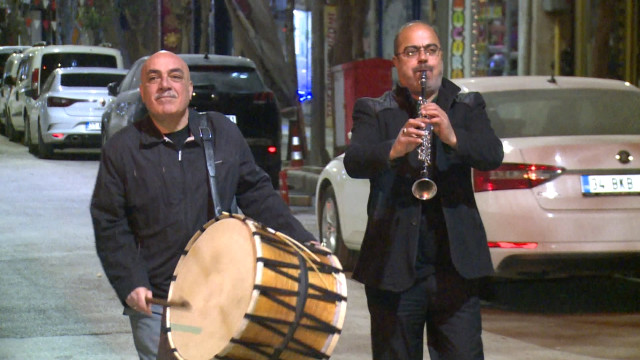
column 388, row 251
column 150, row 198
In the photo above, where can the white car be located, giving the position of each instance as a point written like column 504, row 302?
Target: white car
column 565, row 201
column 9, row 60
column 37, row 64
column 16, row 102
column 68, row 112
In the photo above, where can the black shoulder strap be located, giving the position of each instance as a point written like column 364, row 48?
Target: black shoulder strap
column 207, row 140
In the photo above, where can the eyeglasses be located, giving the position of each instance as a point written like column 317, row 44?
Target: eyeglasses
column 412, row 51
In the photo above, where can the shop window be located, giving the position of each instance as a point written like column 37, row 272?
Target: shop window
column 302, row 36
column 495, row 37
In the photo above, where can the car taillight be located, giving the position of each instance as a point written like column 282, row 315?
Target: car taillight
column 512, row 245
column 514, row 176
column 35, row 75
column 272, row 149
column 53, row 101
column 263, row 97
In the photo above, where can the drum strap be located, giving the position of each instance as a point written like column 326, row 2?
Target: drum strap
column 207, row 140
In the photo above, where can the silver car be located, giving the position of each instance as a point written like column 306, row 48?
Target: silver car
column 68, row 111
column 566, row 200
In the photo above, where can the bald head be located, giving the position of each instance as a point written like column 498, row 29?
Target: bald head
column 417, row 52
column 166, row 88
column 407, row 26
column 164, row 57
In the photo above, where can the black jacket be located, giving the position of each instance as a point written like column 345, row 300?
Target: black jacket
column 150, row 199
column 388, row 252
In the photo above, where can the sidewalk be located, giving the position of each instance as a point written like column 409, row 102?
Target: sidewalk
column 302, row 181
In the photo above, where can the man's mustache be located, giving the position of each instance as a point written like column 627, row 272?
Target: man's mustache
column 166, row 94
column 422, row 68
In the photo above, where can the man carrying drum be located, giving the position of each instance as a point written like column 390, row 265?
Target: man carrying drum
column 152, row 195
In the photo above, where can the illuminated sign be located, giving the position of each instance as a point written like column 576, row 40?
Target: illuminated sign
column 457, row 39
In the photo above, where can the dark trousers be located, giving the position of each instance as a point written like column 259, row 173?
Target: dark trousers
column 446, row 303
column 146, row 331
column 165, row 352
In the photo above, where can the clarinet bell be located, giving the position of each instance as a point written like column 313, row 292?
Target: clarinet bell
column 424, row 188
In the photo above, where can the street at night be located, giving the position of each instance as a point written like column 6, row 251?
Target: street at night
column 56, row 302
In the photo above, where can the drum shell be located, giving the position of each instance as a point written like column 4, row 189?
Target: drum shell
column 287, row 307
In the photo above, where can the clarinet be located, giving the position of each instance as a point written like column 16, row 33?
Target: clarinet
column 424, row 188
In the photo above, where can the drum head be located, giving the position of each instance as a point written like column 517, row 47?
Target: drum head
column 216, row 277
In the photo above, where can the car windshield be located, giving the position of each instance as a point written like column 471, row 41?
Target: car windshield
column 228, row 79
column 563, row 112
column 52, row 61
column 89, row 80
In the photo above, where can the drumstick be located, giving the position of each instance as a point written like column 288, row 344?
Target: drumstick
column 175, row 304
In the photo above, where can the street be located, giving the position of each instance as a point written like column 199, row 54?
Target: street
column 57, row 304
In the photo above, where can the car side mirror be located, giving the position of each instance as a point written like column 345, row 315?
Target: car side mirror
column 112, row 88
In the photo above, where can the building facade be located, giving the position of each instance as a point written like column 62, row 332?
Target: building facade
column 595, row 38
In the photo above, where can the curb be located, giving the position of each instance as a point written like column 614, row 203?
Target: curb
column 301, row 182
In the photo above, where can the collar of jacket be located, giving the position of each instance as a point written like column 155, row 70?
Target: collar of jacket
column 446, row 95
column 151, row 136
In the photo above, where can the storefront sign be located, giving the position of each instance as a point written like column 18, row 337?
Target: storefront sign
column 457, row 39
column 330, row 26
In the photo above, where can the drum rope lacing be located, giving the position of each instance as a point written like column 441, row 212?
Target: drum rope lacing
column 303, row 288
column 307, row 259
column 302, row 295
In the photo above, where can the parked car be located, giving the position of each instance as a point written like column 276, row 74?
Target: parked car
column 6, row 51
column 68, row 112
column 565, row 201
column 7, row 83
column 35, row 67
column 227, row 84
column 16, row 101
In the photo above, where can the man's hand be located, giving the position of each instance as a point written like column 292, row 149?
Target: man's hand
column 409, row 138
column 411, row 134
column 437, row 117
column 136, row 300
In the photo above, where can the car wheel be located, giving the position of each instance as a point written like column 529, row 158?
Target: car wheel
column 11, row 132
column 26, row 137
column 28, row 141
column 6, row 122
column 45, row 151
column 330, row 235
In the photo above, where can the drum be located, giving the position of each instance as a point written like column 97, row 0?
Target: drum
column 254, row 294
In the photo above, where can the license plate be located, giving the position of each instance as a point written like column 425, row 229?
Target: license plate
column 93, row 126
column 610, row 184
